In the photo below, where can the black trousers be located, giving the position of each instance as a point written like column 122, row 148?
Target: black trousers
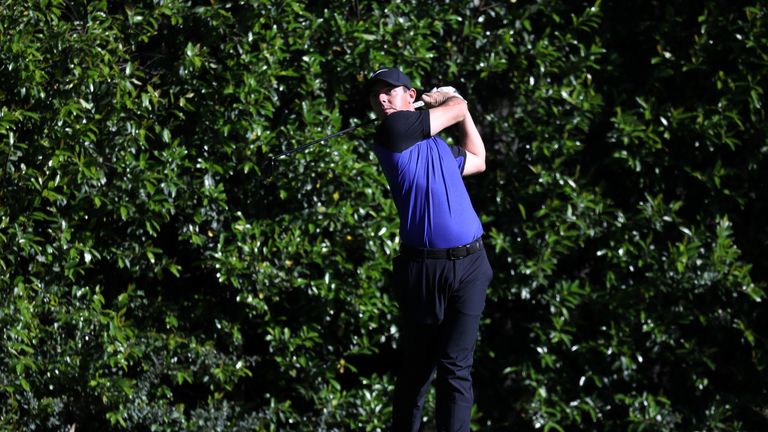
column 441, row 301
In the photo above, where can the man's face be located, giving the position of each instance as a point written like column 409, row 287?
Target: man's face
column 386, row 98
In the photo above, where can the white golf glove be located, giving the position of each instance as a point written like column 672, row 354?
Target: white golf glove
column 448, row 89
column 438, row 95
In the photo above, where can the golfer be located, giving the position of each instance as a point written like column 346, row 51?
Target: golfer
column 442, row 273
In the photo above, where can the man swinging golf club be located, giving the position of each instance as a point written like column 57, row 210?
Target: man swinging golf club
column 442, row 273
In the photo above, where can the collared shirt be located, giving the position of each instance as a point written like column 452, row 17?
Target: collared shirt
column 424, row 176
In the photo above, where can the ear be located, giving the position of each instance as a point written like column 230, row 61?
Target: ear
column 412, row 95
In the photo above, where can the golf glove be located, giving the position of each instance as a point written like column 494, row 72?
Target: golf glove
column 438, row 95
column 448, row 89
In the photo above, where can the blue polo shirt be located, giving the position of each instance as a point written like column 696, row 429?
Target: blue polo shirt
column 424, row 176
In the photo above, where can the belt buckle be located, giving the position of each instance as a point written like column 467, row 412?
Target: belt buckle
column 457, row 252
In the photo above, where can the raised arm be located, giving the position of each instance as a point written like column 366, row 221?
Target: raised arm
column 445, row 113
column 473, row 144
column 453, row 110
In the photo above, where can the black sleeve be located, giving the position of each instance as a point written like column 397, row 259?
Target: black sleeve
column 402, row 129
column 460, row 154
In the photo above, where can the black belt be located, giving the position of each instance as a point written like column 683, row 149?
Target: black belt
column 453, row 253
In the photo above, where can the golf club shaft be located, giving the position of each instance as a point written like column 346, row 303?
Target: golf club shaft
column 317, row 141
column 417, row 104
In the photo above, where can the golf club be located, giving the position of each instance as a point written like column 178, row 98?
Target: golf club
column 417, row 104
column 270, row 162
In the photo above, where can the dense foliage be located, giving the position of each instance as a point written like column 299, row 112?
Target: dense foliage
column 160, row 272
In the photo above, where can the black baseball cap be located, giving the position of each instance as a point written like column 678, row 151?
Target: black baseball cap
column 391, row 75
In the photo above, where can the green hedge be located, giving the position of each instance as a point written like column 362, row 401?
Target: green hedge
column 159, row 273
